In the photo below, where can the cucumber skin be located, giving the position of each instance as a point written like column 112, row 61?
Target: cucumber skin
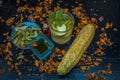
column 73, row 56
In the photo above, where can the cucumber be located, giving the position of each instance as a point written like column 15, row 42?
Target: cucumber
column 76, row 50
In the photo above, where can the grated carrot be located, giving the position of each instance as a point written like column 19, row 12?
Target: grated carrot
column 9, row 21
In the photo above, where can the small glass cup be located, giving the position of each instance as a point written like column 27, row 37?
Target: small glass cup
column 62, row 37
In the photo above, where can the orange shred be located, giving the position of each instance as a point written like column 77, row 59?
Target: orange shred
column 102, row 41
column 6, row 49
column 108, row 25
column 38, row 9
column 89, row 58
column 109, row 66
column 56, row 8
column 2, row 70
column 63, row 52
column 43, row 15
column 36, row 63
column 98, row 59
column 22, row 8
column 12, row 27
column 36, row 16
column 9, row 45
column 6, row 34
column 96, row 63
column 94, row 20
column 84, row 21
column 10, row 21
column 66, row 10
column 9, row 63
column 10, row 59
column 32, row 55
column 57, row 50
column 18, row 2
column 19, row 73
column 34, row 44
column 1, row 20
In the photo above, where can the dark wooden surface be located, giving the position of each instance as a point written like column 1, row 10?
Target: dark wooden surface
column 110, row 10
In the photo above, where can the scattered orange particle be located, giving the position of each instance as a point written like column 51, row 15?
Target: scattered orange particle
column 96, row 26
column 107, row 71
column 36, row 16
column 96, row 63
column 63, row 52
column 2, row 70
column 0, row 50
column 41, row 19
column 26, row 60
column 33, row 44
column 9, row 45
column 81, row 25
column 66, row 10
column 84, row 21
column 6, row 34
column 108, row 25
column 19, row 73
column 18, row 2
column 43, row 15
column 89, row 58
column 22, row 8
column 10, row 59
column 9, row 63
column 10, row 21
column 56, row 8
column 98, row 59
column 57, row 50
column 98, row 50
column 38, row 9
column 109, row 66
column 20, row 62
column 6, row 49
column 12, row 27
column 103, row 41
column 93, row 20
column 36, row 63
column 1, row 20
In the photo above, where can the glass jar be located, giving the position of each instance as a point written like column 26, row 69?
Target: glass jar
column 64, row 35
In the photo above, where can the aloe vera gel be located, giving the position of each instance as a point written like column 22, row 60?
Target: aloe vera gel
column 61, row 26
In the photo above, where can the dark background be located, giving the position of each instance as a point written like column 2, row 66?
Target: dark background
column 111, row 12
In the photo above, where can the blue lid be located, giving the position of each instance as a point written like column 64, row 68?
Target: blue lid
column 39, row 53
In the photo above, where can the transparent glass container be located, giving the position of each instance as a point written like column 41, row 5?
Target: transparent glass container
column 62, row 37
